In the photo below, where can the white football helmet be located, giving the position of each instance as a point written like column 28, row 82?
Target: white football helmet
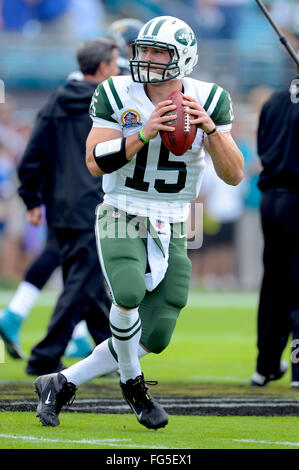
column 172, row 34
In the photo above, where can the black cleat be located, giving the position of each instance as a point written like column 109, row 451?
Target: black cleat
column 148, row 411
column 258, row 380
column 53, row 391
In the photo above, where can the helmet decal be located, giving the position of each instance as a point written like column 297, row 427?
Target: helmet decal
column 185, row 37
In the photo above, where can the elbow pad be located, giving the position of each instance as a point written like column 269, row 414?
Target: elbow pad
column 111, row 155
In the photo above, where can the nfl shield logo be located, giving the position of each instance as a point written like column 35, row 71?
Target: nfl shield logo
column 159, row 224
column 116, row 214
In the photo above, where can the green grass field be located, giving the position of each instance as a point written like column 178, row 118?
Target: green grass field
column 214, row 344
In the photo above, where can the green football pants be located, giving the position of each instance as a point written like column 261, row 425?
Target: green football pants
column 124, row 263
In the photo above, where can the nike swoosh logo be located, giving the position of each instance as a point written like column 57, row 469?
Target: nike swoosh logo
column 139, row 415
column 47, row 402
column 183, row 236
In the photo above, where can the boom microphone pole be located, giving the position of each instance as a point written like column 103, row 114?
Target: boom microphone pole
column 282, row 38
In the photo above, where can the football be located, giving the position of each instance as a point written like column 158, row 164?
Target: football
column 181, row 139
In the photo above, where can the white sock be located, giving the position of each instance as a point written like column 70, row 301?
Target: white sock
column 24, row 299
column 99, row 362
column 141, row 351
column 125, row 327
column 80, row 330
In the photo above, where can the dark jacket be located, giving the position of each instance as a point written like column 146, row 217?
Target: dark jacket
column 278, row 142
column 53, row 170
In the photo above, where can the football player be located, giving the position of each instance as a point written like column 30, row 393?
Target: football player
column 141, row 226
column 124, row 32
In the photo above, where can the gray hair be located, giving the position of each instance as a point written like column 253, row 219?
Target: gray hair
column 91, row 53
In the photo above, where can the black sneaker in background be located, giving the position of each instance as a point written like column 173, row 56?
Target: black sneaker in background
column 258, row 380
column 53, row 391
column 148, row 411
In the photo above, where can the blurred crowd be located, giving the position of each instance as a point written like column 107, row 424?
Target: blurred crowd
column 230, row 256
column 20, row 242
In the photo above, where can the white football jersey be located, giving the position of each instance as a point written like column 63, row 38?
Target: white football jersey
column 155, row 183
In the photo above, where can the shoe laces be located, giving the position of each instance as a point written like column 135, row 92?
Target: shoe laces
column 67, row 395
column 141, row 391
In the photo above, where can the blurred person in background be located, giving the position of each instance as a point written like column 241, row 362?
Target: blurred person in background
column 12, row 214
column 124, row 32
column 40, row 250
column 278, row 312
column 26, row 295
column 70, row 195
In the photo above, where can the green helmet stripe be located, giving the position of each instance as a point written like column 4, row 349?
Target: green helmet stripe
column 157, row 27
column 147, row 28
column 114, row 93
column 210, row 97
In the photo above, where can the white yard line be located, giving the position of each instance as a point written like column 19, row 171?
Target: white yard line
column 81, row 441
column 276, row 443
column 106, row 442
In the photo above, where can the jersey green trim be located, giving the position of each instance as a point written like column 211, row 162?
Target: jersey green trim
column 114, row 93
column 105, row 99
column 210, row 97
column 223, row 112
column 100, row 106
column 157, row 27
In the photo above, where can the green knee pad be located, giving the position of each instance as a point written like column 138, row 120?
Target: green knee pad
column 128, row 286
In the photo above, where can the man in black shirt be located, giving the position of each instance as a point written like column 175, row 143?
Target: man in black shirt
column 278, row 313
column 53, row 172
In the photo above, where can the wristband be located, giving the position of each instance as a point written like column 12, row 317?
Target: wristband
column 111, row 155
column 212, row 131
column 141, row 137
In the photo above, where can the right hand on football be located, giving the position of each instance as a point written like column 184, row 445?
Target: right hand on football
column 158, row 118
